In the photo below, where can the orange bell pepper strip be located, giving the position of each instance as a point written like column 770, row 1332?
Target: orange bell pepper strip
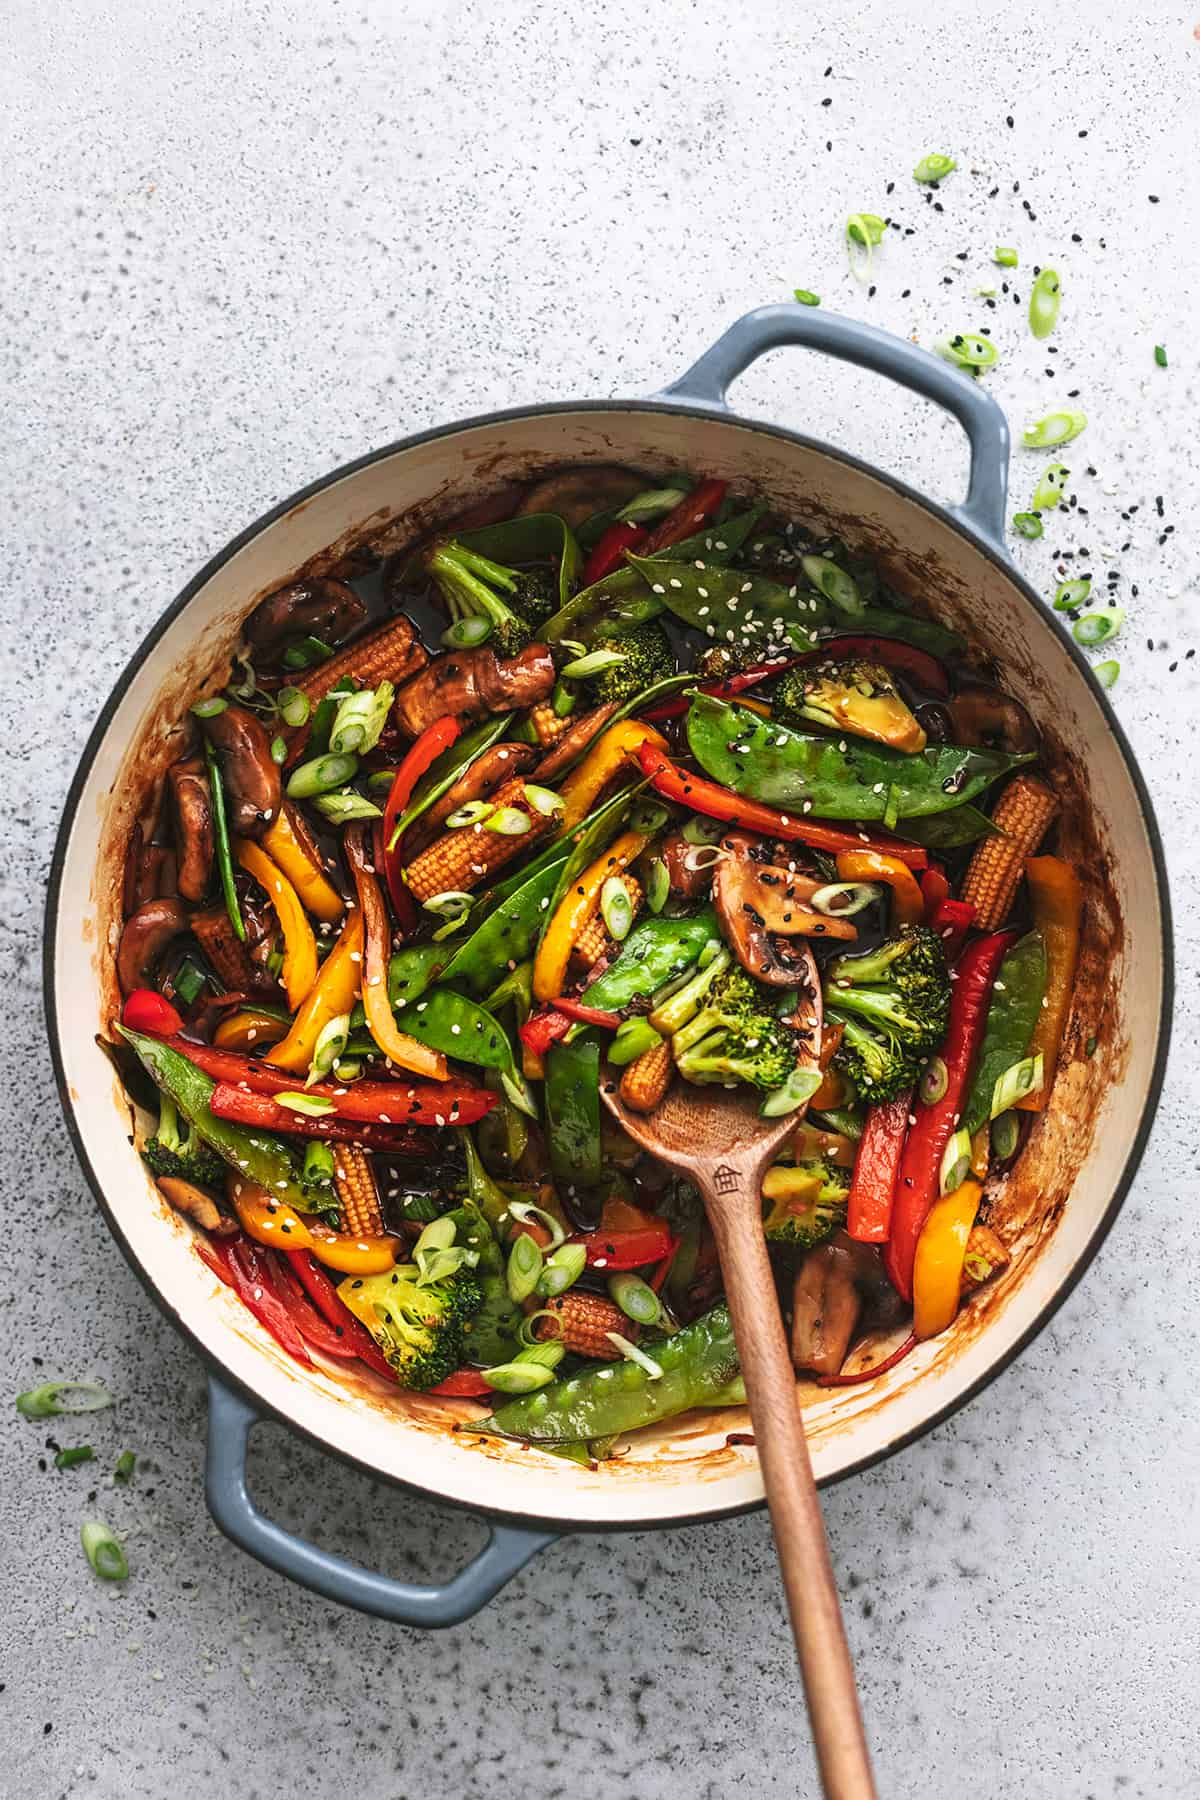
column 287, row 851
column 1056, row 894
column 615, row 749
column 335, row 992
column 941, row 1251
column 249, row 1029
column 299, row 944
column 353, row 1255
column 908, row 902
column 576, row 910
column 268, row 1220
column 396, row 1045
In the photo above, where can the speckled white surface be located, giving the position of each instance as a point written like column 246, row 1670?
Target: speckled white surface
column 247, row 241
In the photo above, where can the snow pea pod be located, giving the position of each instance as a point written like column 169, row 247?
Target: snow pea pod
column 506, row 933
column 699, row 1366
column 949, row 831
column 1014, row 1011
column 448, row 768
column 655, row 952
column 768, row 761
column 572, row 1097
column 455, row 1025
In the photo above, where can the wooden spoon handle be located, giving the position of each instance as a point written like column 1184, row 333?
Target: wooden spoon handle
column 812, row 1596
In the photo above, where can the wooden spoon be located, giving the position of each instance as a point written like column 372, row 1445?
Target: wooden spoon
column 715, row 1137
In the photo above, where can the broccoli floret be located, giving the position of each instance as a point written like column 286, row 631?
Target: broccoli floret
column 177, row 1148
column 850, row 695
column 804, row 1202
column 722, row 1029
column 514, row 602
column 893, row 1004
column 420, row 1329
column 720, row 661
column 648, row 658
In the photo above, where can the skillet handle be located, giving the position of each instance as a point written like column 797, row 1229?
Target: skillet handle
column 230, row 1421
column 770, row 327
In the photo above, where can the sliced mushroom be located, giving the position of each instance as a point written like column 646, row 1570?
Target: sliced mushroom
column 318, row 606
column 253, row 788
column 147, row 933
column 825, row 1309
column 195, row 1204
column 488, row 772
column 192, row 806
column 983, row 715
column 576, row 493
column 467, row 684
column 690, row 875
column 761, row 906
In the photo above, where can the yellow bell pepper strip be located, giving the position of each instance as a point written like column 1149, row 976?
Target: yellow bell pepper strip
column 354, row 1255
column 287, row 851
column 335, row 992
column 1056, row 895
column 267, row 1219
column 941, row 1249
column 250, row 1029
column 575, row 910
column 613, row 750
column 396, row 1045
column 299, row 944
column 908, row 902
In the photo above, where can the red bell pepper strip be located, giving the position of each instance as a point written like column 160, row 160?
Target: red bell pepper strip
column 664, row 1268
column 952, row 919
column 308, row 1322
column 542, row 1029
column 333, row 1309
column 688, row 516
column 404, row 907
column 423, row 752
column 925, row 670
column 609, row 550
column 920, row 1164
column 716, row 802
column 869, row 1208
column 466, row 1384
column 880, row 1368
column 616, row 1250
column 229, row 1258
column 146, row 1010
column 389, row 1103
column 935, row 888
column 261, row 1113
column 677, row 705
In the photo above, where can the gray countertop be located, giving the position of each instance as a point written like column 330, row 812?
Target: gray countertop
column 247, row 242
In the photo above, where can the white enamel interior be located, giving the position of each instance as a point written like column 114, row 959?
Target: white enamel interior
column 688, row 1470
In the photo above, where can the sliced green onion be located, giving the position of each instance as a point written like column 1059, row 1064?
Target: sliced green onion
column 858, row 894
column 53, row 1398
column 508, row 821
column 806, row 297
column 1160, row 355
column 1055, row 428
column 658, row 885
column 329, row 1046
column 865, row 228
column 1096, row 628
column 208, row 709
column 126, row 1464
column 221, row 845
column 294, row 706
column 347, row 1068
column 67, row 1459
column 800, row 1086
column 631, row 1353
column 313, row 1106
column 320, row 775
column 448, row 905
column 1005, row 1135
column 1005, row 255
column 710, row 952
column 346, row 805
column 524, row 1210
column 530, row 1323
column 359, row 721
column 318, row 1163
column 616, row 908
column 934, row 167
column 545, row 1353
column 935, row 1079
column 635, row 1297
column 563, row 699
column 306, row 653
column 473, row 813
column 838, row 587
column 1106, row 673
column 655, row 503
column 956, row 1162
column 524, row 1268
column 543, row 800
column 594, row 663
column 103, row 1551
column 1024, row 1077
column 563, row 1269
column 1044, row 300
column 1069, row 595
column 279, row 750
column 630, row 1040
column 468, row 633
column 1049, row 490
column 647, row 816
column 518, row 1377
column 573, row 645
column 1027, row 525
column 188, row 980
column 701, row 831
column 442, row 1262
column 968, row 350
column 275, row 963
column 518, row 1090
column 381, row 780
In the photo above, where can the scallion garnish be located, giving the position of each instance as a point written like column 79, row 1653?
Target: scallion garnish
column 806, row 297
column 320, row 775
column 208, row 709
column 1106, row 673
column 53, row 1398
column 841, row 899
column 312, row 1106
column 508, row 821
column 524, row 1210
column 1069, row 595
column 543, row 800
column 934, row 1081
column 593, row 663
column 631, row 1353
column 1044, row 299
column 331, row 1041
column 103, row 1551
column 1160, row 355
column 126, row 1464
column 630, row 1040
column 1056, row 428
column 658, row 884
column 342, row 807
column 518, row 1377
column 224, row 855
column 655, row 503
column 968, row 350
column 838, row 587
column 1096, row 628
column 67, row 1459
column 307, row 653
column 563, row 1269
column 1049, row 490
column 1005, row 255
column 1005, row 1135
column 616, row 908
column 956, row 1162
column 472, row 812
column 934, row 167
column 1024, row 1077
column 359, row 721
column 635, row 1297
column 279, row 750
column 468, row 633
column 1027, row 525
column 294, row 706
column 524, row 1268
column 865, row 230
column 188, row 980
